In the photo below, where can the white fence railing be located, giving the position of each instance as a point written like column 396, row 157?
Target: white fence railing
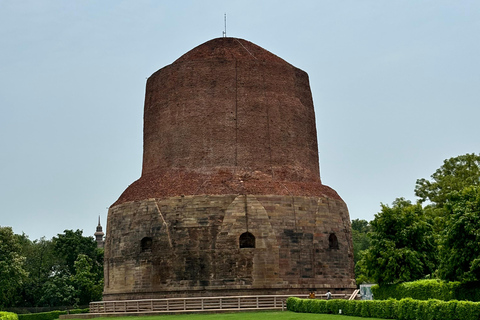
column 262, row 302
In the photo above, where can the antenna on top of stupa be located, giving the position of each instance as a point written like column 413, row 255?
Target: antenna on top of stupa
column 225, row 25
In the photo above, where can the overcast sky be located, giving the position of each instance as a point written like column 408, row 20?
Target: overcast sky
column 396, row 88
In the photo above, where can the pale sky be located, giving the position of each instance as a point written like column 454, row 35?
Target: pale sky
column 396, row 88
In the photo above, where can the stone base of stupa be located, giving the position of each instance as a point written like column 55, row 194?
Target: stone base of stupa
column 215, row 245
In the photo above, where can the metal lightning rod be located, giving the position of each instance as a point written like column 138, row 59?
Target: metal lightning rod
column 225, row 25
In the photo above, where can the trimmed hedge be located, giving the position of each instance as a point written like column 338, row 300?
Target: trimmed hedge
column 429, row 289
column 41, row 315
column 405, row 309
column 8, row 315
column 49, row 315
column 468, row 291
column 75, row 311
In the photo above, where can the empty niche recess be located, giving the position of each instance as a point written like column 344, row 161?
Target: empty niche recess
column 332, row 241
column 146, row 244
column 247, row 240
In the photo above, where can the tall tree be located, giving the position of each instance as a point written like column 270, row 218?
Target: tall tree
column 86, row 280
column 454, row 212
column 460, row 242
column 69, row 245
column 455, row 174
column 360, row 225
column 81, row 265
column 40, row 263
column 12, row 268
column 67, row 270
column 361, row 242
column 402, row 246
column 59, row 291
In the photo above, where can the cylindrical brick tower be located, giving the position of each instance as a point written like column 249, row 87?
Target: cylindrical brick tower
column 230, row 200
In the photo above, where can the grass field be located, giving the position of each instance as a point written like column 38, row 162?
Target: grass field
column 269, row 315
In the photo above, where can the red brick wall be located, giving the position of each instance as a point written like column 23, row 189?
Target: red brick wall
column 226, row 112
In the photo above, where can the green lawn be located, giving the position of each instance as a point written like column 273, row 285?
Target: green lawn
column 269, row 315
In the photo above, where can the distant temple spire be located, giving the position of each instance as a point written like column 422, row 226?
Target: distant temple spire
column 99, row 235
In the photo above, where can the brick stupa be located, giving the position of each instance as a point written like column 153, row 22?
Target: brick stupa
column 230, row 200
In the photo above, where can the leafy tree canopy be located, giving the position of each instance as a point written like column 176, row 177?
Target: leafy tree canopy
column 40, row 263
column 361, row 242
column 360, row 225
column 402, row 246
column 460, row 241
column 12, row 268
column 66, row 270
column 86, row 280
column 454, row 175
column 69, row 245
column 59, row 291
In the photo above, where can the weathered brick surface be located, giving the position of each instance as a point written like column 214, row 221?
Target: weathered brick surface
column 228, row 117
column 230, row 147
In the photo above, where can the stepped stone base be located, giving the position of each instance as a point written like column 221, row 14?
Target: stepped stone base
column 202, row 245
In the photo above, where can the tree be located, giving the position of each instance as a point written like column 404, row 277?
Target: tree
column 361, row 242
column 86, row 281
column 12, row 271
column 460, row 244
column 454, row 212
column 361, row 226
column 69, row 245
column 454, row 175
column 59, row 291
column 81, row 262
column 40, row 263
column 64, row 271
column 402, row 246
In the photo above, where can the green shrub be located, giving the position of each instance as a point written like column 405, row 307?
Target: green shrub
column 302, row 305
column 423, row 309
column 292, row 303
column 349, row 309
column 449, row 310
column 365, row 311
column 357, row 310
column 75, row 311
column 41, row 315
column 307, row 305
column 405, row 309
column 418, row 290
column 8, row 316
column 341, row 305
column 468, row 291
column 319, row 306
column 433, row 309
column 465, row 310
column 377, row 308
column 333, row 306
column 446, row 310
column 386, row 309
column 429, row 289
